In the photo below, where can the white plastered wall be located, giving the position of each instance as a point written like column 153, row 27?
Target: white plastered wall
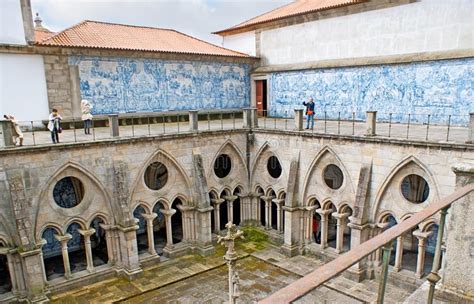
column 423, row 26
column 23, row 87
column 243, row 42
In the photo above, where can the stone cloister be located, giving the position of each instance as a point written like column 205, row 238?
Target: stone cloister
column 78, row 213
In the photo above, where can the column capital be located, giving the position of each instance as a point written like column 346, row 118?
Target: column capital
column 217, row 201
column 168, row 212
column 382, row 225
column 278, row 201
column 86, row 232
column 63, row 238
column 230, row 198
column 340, row 216
column 149, row 217
column 184, row 208
column 421, row 236
column 323, row 213
column 267, row 198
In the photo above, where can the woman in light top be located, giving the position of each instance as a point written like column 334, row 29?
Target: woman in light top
column 86, row 108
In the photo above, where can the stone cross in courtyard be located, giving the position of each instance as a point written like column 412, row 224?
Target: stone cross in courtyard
column 231, row 257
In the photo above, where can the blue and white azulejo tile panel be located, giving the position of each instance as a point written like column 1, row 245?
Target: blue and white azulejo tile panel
column 439, row 88
column 120, row 85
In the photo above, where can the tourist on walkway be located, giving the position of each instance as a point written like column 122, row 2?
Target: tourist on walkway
column 309, row 112
column 54, row 125
column 86, row 108
column 17, row 134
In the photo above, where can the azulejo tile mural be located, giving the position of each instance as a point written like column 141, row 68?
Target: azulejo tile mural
column 120, row 85
column 438, row 88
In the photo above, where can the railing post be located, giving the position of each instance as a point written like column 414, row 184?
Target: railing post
column 299, row 119
column 433, row 277
column 370, row 123
column 193, row 120
column 471, row 128
column 114, row 125
column 387, row 249
column 6, row 134
column 250, row 118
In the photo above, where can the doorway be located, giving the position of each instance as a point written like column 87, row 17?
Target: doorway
column 261, row 97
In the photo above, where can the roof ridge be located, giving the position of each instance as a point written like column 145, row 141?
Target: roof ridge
column 130, row 25
column 60, row 32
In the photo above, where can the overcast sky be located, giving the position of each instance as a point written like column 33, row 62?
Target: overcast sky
column 194, row 17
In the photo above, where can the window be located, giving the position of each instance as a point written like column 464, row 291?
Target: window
column 274, row 167
column 68, row 192
column 156, row 176
column 415, row 189
column 333, row 177
column 222, row 166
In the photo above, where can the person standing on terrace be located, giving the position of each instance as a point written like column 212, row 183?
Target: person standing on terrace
column 309, row 112
column 54, row 125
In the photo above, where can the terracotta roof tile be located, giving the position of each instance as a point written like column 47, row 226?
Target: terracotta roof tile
column 94, row 34
column 298, row 7
column 41, row 34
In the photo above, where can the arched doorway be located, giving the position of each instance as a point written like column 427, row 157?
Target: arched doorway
column 332, row 225
column 223, row 212
column 52, row 255
column 236, row 207
column 177, row 222
column 100, row 254
column 75, row 248
column 316, row 223
column 142, row 237
column 5, row 279
column 159, row 228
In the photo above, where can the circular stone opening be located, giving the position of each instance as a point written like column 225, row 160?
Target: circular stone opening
column 274, row 167
column 415, row 188
column 68, row 192
column 222, row 165
column 156, row 176
column 333, row 176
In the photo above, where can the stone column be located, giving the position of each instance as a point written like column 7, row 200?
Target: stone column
column 250, row 118
column 324, row 226
column 299, row 119
column 360, row 232
column 88, row 248
column 471, row 128
column 169, row 235
column 127, row 240
column 203, row 231
column 149, row 231
column 193, row 120
column 114, row 125
column 217, row 217
column 230, row 206
column 292, row 235
column 371, row 123
column 268, row 202
column 32, row 271
column 341, row 226
column 420, row 261
column 309, row 224
column 63, row 239
column 398, row 254
column 279, row 203
column 109, row 242
column 6, row 133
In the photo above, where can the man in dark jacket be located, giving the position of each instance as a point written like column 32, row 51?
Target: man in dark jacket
column 309, row 112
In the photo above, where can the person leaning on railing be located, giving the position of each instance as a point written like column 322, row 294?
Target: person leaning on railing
column 86, row 108
column 54, row 125
column 17, row 134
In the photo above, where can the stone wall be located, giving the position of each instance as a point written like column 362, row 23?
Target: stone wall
column 58, row 83
column 439, row 88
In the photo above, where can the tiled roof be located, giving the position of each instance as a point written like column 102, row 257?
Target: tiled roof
column 102, row 35
column 42, row 34
column 295, row 8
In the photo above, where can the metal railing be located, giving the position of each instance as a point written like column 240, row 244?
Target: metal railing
column 419, row 127
column 318, row 277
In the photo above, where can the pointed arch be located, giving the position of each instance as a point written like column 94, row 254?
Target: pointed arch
column 427, row 224
column 233, row 147
column 80, row 221
column 99, row 215
column 322, row 152
column 266, row 146
column 71, row 168
column 54, row 226
column 166, row 204
column 383, row 216
column 406, row 161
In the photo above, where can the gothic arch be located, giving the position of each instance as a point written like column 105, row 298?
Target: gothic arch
column 77, row 220
column 266, row 147
column 164, row 202
column 398, row 168
column 178, row 181
column 54, row 226
column 99, row 215
column 236, row 176
column 345, row 193
column 427, row 224
column 96, row 198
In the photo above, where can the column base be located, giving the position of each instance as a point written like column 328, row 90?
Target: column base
column 39, row 300
column 206, row 250
column 176, row 251
column 290, row 251
column 396, row 269
column 357, row 275
column 130, row 274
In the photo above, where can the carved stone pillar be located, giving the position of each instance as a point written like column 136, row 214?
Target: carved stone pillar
column 341, row 226
column 420, row 261
column 127, row 244
column 169, row 235
column 149, row 231
column 324, row 226
column 63, row 239
column 308, row 237
column 268, row 206
column 230, row 207
column 398, row 254
column 32, row 281
column 88, row 248
column 279, row 203
column 217, row 217
column 109, row 242
column 203, row 231
column 378, row 253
